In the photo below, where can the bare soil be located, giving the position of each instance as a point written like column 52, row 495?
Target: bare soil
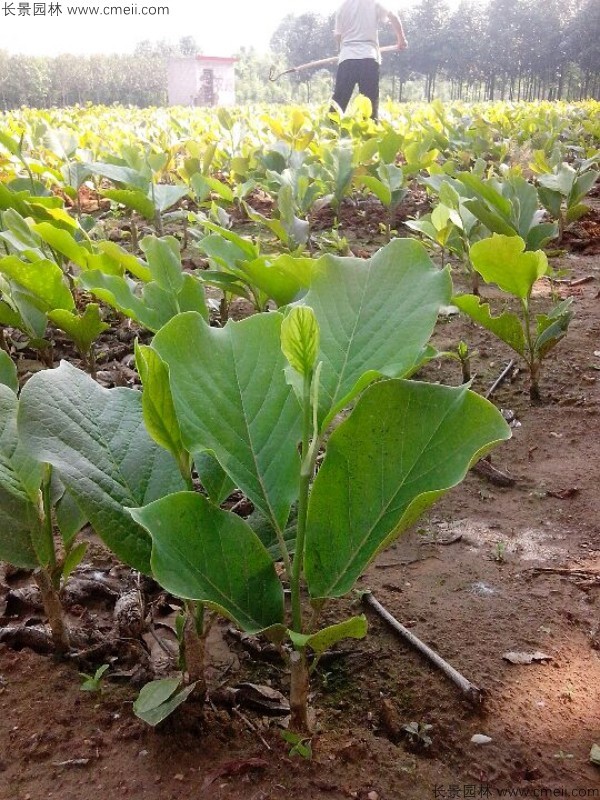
column 490, row 570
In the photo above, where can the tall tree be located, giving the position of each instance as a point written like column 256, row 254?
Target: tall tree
column 428, row 42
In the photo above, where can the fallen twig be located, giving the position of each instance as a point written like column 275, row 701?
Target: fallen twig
column 585, row 279
column 500, row 379
column 469, row 689
column 251, row 727
column 493, row 475
column 576, row 282
column 583, row 574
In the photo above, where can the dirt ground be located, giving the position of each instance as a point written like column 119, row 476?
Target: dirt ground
column 488, row 571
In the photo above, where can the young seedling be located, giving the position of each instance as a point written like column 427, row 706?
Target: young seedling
column 562, row 190
column 418, row 734
column 502, row 260
column 249, row 393
column 93, row 683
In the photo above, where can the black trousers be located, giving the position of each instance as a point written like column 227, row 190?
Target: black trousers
column 361, row 71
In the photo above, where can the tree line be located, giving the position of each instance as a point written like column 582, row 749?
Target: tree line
column 505, row 49
column 500, row 50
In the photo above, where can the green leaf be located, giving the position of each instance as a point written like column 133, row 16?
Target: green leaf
column 63, row 242
column 152, row 309
column 300, row 339
column 96, row 440
column 551, row 328
column 215, row 481
column 502, row 260
column 506, row 326
column 582, row 186
column 541, row 234
column 231, row 398
column 117, row 174
column 8, row 372
column 282, row 278
column 69, row 517
column 152, row 712
column 378, row 188
column 84, row 328
column 202, row 553
column 164, row 261
column 166, row 195
column 135, row 199
column 74, row 559
column 123, row 261
column 404, row 445
column 154, row 694
column 44, row 281
column 492, row 220
column 385, row 310
column 551, row 200
column 19, row 479
column 157, row 402
column 355, row 628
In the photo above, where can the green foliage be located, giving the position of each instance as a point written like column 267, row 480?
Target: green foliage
column 502, row 260
column 93, row 683
column 563, row 189
column 160, row 698
column 96, row 442
column 164, row 291
column 422, row 439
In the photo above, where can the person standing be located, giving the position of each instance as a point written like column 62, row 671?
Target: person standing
column 356, row 32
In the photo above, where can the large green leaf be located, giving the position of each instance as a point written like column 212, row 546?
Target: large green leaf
column 403, row 446
column 375, row 317
column 44, row 281
column 282, row 278
column 19, row 477
column 506, row 326
column 200, row 552
column 502, row 260
column 96, row 440
column 231, row 398
column 134, row 199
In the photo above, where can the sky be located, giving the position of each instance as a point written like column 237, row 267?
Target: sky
column 220, row 28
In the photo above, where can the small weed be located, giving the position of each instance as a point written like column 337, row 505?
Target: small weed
column 499, row 555
column 568, row 693
column 418, row 734
column 299, row 746
column 562, row 755
column 92, row 683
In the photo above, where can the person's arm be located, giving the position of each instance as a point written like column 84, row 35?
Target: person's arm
column 396, row 24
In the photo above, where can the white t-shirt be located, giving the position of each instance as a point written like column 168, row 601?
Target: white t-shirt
column 356, row 22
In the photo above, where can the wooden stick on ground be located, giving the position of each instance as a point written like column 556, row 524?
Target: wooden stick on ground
column 500, row 380
column 472, row 692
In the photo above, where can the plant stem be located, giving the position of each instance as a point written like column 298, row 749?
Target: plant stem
column 47, row 577
column 306, row 471
column 299, row 693
column 47, row 528
column 533, row 363
column 194, row 642
column 54, row 610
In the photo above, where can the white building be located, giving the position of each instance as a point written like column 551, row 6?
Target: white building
column 201, row 81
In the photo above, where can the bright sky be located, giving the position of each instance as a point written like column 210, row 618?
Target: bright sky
column 220, row 27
